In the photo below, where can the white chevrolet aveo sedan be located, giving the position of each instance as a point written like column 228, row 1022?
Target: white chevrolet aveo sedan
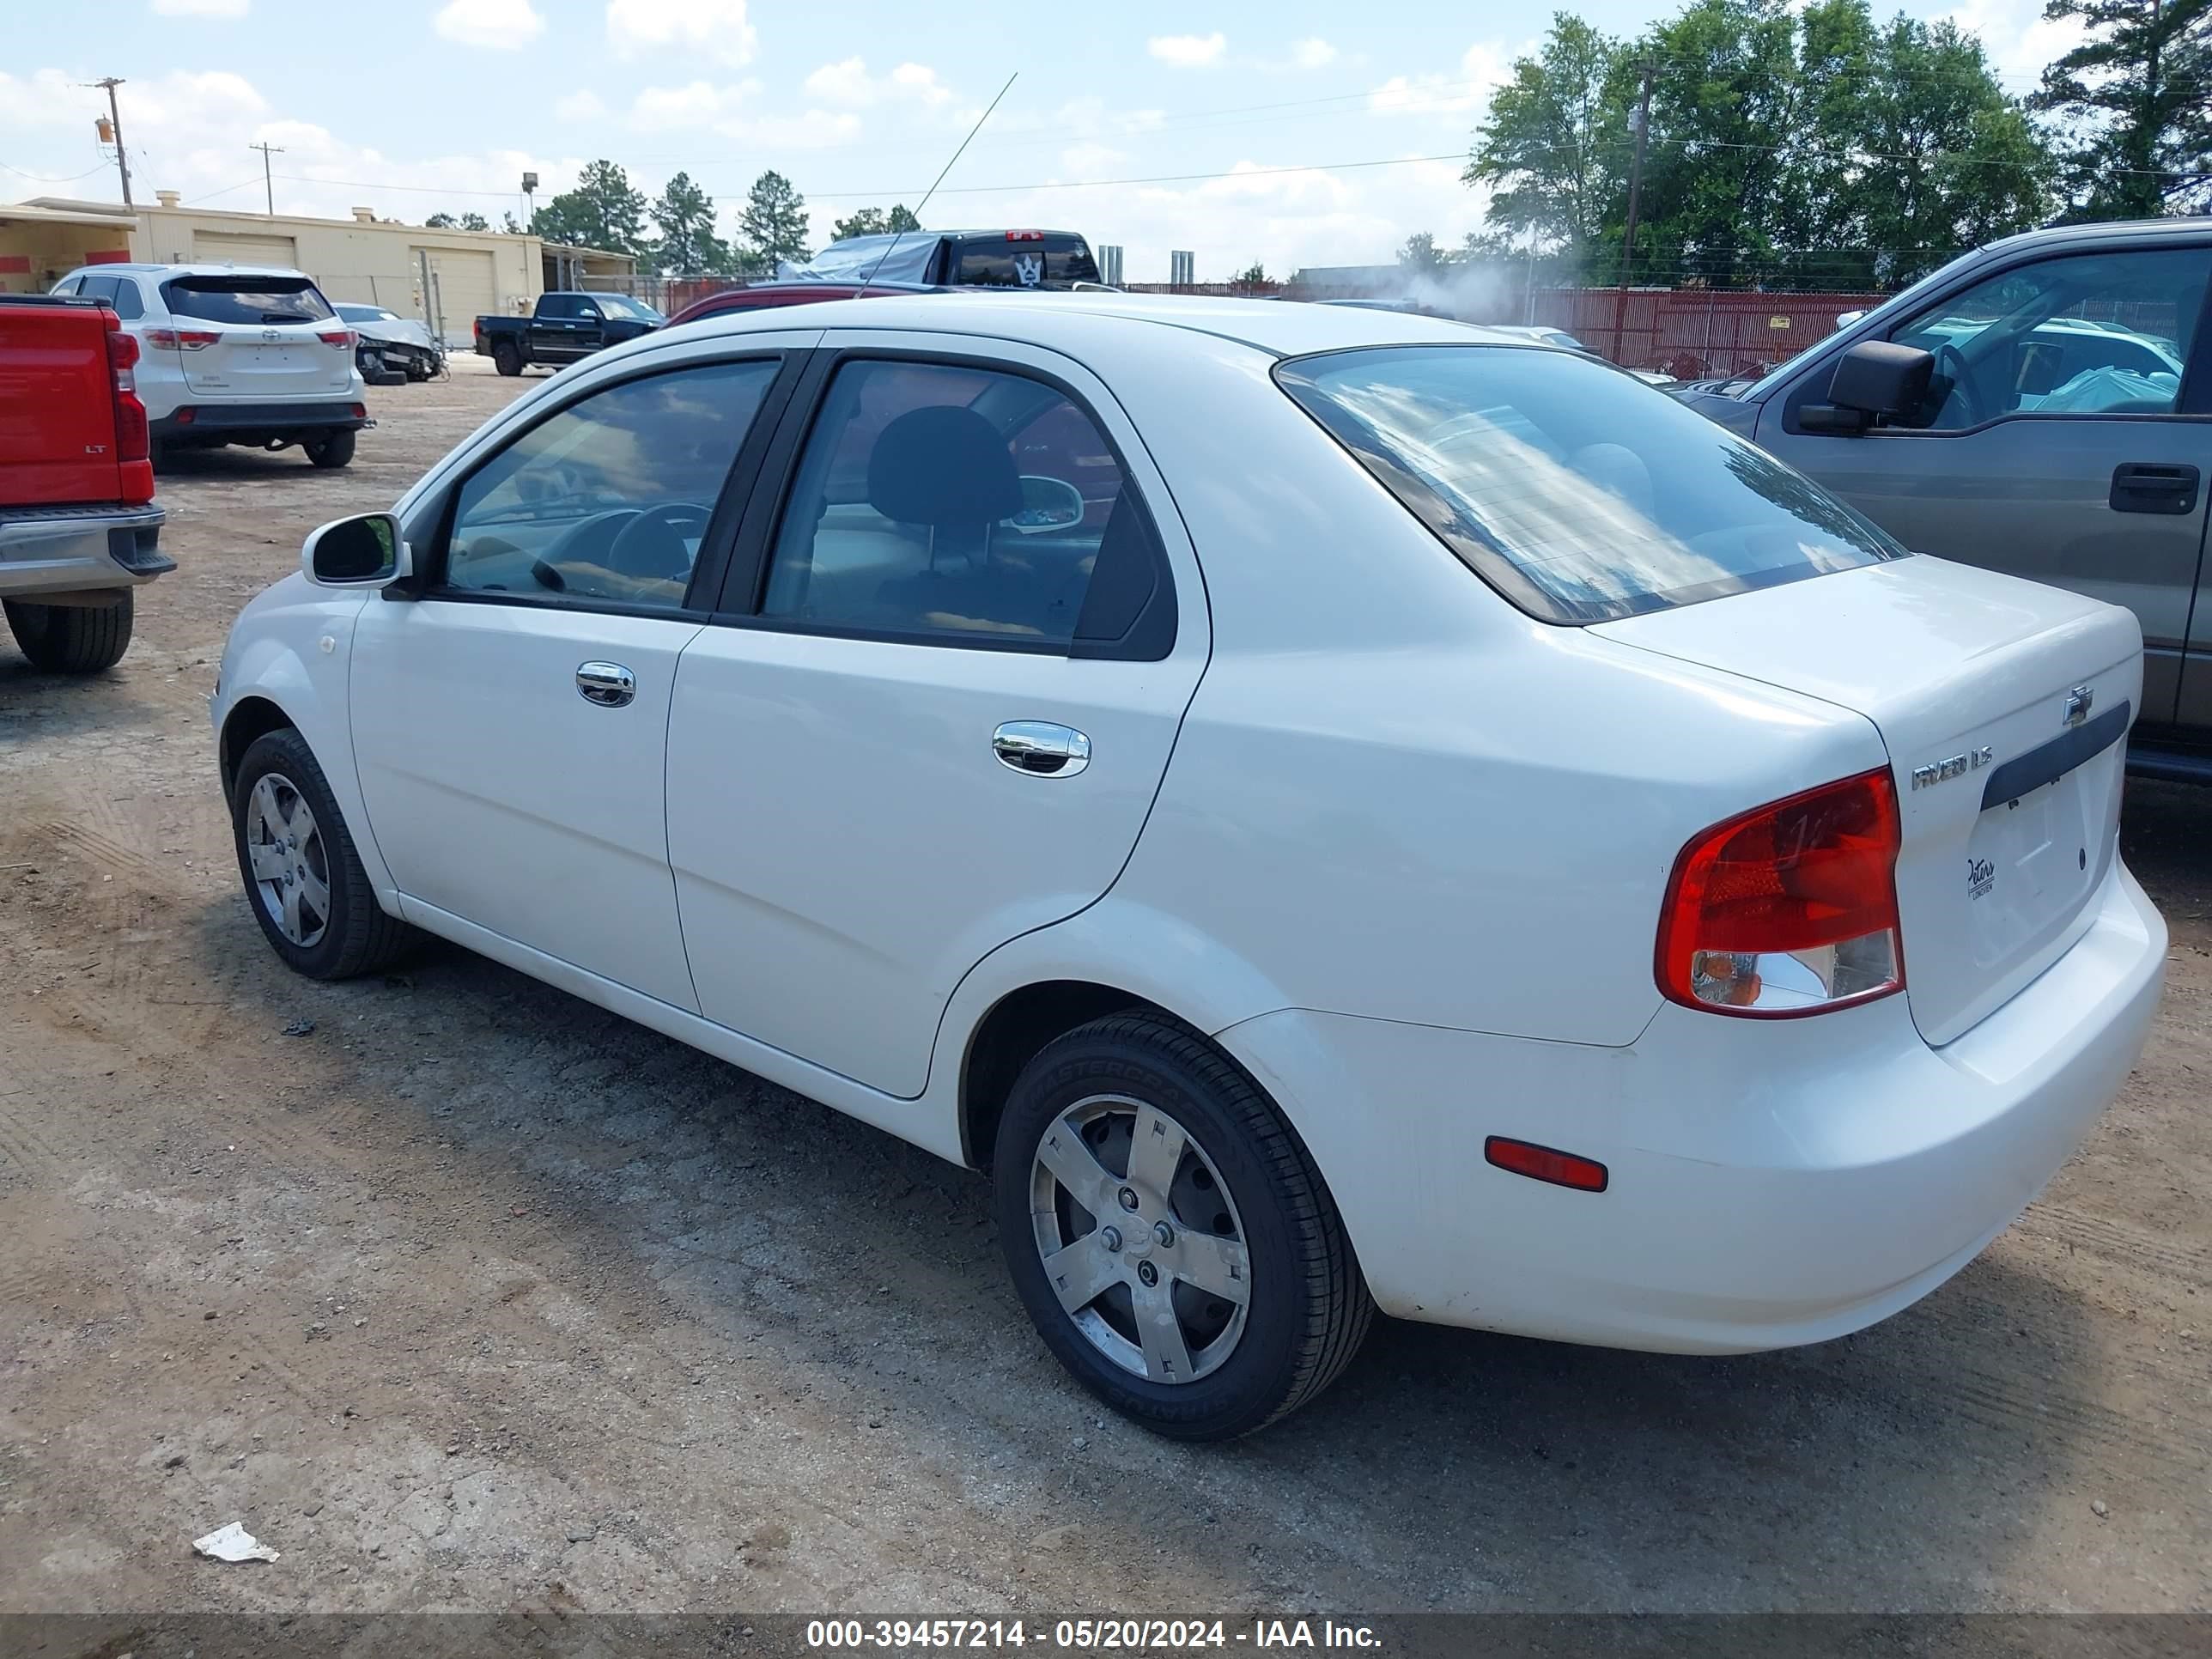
column 1332, row 811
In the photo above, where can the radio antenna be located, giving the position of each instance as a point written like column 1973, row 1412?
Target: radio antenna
column 940, row 180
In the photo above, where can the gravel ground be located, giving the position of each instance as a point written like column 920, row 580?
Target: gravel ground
column 475, row 1296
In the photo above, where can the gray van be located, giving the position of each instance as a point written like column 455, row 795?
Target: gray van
column 2042, row 406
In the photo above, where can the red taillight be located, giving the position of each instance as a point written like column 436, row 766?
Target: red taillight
column 336, row 337
column 131, row 435
column 181, row 339
column 1788, row 909
column 1525, row 1158
column 360, row 411
column 477, row 328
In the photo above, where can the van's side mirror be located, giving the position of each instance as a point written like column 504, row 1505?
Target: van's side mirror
column 1874, row 378
column 365, row 552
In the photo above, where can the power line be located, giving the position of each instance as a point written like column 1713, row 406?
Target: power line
column 41, row 179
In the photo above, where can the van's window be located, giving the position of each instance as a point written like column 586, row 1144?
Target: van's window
column 245, row 299
column 1000, row 261
column 610, row 499
column 2101, row 333
column 1577, row 492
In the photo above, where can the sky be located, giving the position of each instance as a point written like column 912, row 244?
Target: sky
column 1291, row 133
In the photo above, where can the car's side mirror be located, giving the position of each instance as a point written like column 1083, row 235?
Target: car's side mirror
column 1874, row 378
column 365, row 552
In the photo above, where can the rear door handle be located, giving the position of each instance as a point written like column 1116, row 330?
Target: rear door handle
column 1041, row 749
column 609, row 684
column 2154, row 487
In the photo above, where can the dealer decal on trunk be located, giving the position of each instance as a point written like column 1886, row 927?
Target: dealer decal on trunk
column 1981, row 878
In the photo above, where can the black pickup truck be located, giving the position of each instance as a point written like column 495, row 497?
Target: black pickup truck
column 564, row 328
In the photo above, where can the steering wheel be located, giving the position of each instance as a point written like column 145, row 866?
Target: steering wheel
column 644, row 548
column 1951, row 363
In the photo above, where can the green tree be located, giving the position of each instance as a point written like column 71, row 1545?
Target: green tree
column 874, row 222
column 775, row 221
column 1421, row 252
column 1550, row 145
column 475, row 222
column 688, row 244
column 1251, row 276
column 439, row 221
column 2136, row 97
column 1800, row 148
column 605, row 210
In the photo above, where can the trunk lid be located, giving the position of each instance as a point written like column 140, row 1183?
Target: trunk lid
column 267, row 347
column 2004, row 706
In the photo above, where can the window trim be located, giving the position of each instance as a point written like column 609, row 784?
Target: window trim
column 428, row 582
column 1151, row 635
column 2192, row 399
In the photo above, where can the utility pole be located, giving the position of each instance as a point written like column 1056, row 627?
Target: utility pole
column 1642, row 122
column 269, row 190
column 115, row 125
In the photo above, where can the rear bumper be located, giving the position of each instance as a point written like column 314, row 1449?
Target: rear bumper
column 254, row 423
column 1772, row 1182
column 59, row 550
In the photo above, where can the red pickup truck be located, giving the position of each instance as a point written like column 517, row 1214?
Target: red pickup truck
column 78, row 528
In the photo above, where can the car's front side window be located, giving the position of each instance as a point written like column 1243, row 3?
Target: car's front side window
column 608, row 499
column 2104, row 333
column 947, row 500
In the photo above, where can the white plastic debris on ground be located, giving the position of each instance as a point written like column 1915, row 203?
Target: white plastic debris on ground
column 233, row 1543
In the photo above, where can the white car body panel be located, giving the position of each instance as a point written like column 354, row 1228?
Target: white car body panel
column 793, row 755
column 1406, row 860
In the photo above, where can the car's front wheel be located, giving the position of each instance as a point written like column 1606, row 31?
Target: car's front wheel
column 72, row 639
column 1169, row 1234
column 303, row 876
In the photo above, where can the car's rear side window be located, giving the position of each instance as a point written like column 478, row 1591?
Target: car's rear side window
column 1577, row 492
column 245, row 299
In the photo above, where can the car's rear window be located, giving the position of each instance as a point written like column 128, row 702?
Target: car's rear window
column 245, row 299
column 1577, row 492
column 1028, row 261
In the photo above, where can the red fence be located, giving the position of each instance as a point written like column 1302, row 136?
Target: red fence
column 1687, row 332
column 1690, row 332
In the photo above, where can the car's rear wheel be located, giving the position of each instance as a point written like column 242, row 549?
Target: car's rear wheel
column 303, row 876
column 72, row 639
column 331, row 448
column 1170, row 1236
column 506, row 357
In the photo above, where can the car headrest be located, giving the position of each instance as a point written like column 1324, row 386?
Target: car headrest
column 943, row 465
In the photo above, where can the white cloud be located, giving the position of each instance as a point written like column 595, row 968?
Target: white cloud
column 848, row 83
column 2017, row 38
column 1090, row 161
column 582, row 105
column 1484, row 66
column 717, row 27
column 1311, row 54
column 504, row 25
column 202, row 8
column 701, row 105
column 1188, row 51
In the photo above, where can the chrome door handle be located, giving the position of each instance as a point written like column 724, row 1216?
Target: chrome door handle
column 606, row 683
column 1041, row 749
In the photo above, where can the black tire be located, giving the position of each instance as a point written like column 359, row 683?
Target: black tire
column 506, row 357
column 71, row 639
column 356, row 937
column 331, row 448
column 158, row 453
column 1307, row 1307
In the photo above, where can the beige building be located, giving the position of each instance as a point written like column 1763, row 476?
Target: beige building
column 446, row 277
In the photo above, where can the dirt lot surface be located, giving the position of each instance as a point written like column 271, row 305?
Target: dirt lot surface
column 475, row 1296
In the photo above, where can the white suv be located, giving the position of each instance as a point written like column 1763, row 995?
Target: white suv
column 235, row 354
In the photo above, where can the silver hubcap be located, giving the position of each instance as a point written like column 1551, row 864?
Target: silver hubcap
column 1140, row 1238
column 284, row 848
